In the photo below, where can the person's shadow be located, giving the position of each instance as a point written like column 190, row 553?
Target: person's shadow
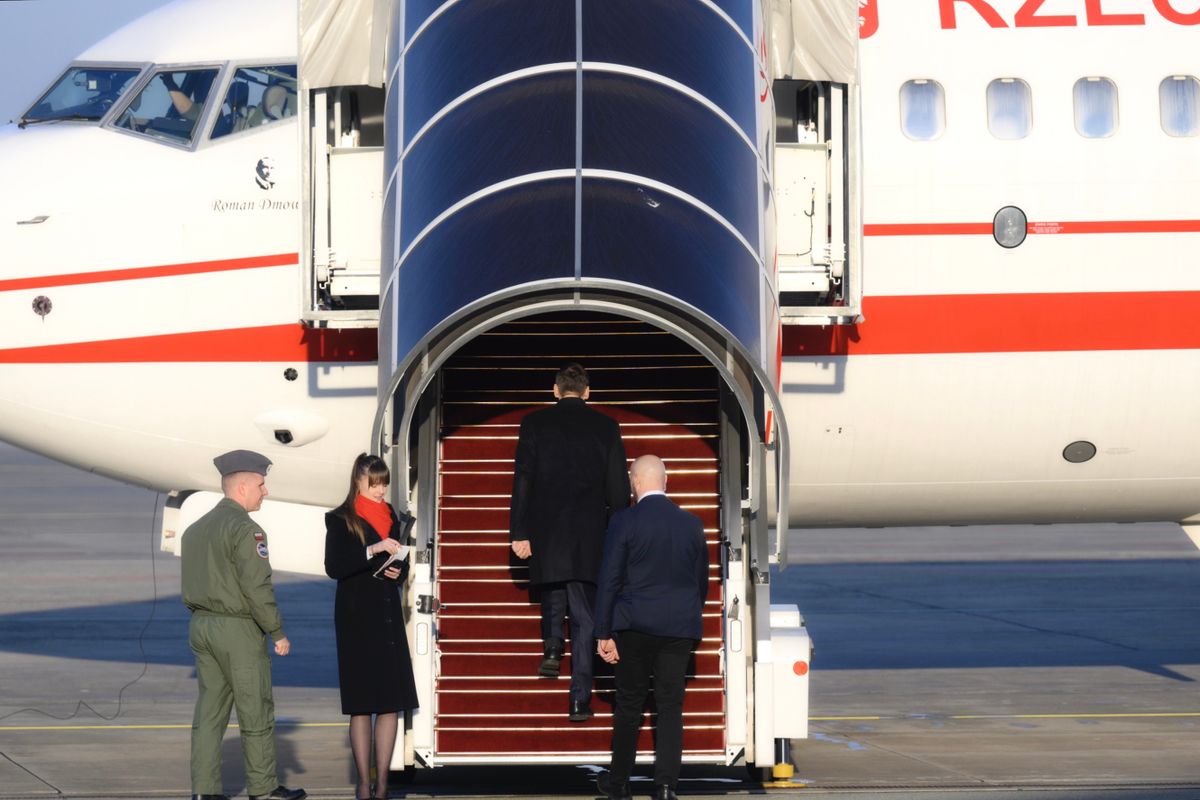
column 288, row 763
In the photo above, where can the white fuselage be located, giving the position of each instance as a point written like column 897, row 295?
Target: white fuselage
column 175, row 291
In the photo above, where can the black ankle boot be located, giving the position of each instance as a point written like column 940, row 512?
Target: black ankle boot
column 552, row 654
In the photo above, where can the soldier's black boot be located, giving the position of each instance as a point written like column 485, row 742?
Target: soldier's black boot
column 552, row 654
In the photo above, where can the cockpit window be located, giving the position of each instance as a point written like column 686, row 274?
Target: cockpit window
column 82, row 93
column 257, row 96
column 170, row 105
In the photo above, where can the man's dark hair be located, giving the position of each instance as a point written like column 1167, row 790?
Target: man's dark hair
column 571, row 379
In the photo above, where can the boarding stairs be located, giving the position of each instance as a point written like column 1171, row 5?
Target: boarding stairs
column 489, row 704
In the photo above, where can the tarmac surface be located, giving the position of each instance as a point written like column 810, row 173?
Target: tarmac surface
column 1006, row 662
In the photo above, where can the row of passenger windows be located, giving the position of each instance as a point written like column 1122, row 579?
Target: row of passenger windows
column 1010, row 108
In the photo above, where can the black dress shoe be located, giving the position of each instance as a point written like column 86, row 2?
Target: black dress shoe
column 619, row 791
column 580, row 711
column 281, row 793
column 552, row 654
column 209, row 797
column 664, row 792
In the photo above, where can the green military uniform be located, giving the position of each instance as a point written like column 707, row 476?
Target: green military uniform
column 227, row 585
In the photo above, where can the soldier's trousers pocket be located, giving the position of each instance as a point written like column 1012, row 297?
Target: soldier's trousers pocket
column 252, row 696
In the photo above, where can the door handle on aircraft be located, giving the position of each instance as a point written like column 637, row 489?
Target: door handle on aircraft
column 38, row 220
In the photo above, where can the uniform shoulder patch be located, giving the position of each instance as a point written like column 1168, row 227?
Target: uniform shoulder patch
column 261, row 547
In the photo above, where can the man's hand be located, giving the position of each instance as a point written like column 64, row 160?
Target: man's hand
column 521, row 548
column 283, row 647
column 392, row 573
column 607, row 648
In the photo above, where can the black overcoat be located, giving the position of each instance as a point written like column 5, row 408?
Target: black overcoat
column 569, row 477
column 374, row 666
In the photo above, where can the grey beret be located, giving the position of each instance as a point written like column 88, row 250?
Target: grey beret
column 242, row 461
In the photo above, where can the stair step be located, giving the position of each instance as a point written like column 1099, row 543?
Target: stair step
column 570, row 737
column 552, row 701
column 519, row 665
column 483, row 624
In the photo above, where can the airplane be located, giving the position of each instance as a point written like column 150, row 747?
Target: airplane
column 969, row 295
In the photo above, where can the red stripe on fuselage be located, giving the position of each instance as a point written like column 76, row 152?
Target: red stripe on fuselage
column 288, row 343
column 1037, row 228
column 138, row 273
column 1007, row 323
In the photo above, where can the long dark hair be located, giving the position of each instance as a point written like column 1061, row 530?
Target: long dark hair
column 376, row 471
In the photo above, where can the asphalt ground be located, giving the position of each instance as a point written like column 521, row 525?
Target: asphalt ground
column 1006, row 662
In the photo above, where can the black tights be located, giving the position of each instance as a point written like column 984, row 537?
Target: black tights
column 360, row 744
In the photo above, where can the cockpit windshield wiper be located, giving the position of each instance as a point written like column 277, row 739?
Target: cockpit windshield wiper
column 65, row 117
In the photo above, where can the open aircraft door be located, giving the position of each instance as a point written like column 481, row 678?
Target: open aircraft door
column 588, row 185
column 816, row 169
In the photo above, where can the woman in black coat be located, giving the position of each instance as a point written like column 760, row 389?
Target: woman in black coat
column 374, row 667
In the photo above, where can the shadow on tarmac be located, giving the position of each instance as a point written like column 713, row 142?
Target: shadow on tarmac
column 983, row 614
column 111, row 632
column 893, row 616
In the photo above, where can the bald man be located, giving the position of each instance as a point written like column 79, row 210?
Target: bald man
column 649, row 598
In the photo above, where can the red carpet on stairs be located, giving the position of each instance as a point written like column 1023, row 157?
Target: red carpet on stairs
column 489, row 700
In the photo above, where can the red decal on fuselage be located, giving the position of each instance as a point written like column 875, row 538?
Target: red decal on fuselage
column 141, row 273
column 293, row 343
column 1041, row 228
column 868, row 18
column 1007, row 323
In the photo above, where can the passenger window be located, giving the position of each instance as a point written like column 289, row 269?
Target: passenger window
column 1009, row 108
column 922, row 110
column 257, row 96
column 1179, row 105
column 170, row 106
column 1095, row 107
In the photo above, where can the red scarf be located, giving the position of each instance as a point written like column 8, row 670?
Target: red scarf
column 379, row 515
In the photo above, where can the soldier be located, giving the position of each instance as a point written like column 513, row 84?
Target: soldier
column 227, row 586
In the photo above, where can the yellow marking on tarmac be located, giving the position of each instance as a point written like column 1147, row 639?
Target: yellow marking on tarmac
column 1114, row 715
column 4, row 728
column 1080, row 716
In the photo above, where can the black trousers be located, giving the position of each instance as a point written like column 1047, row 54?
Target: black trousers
column 663, row 660
column 577, row 597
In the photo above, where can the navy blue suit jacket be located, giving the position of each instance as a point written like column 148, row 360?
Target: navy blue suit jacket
column 654, row 574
